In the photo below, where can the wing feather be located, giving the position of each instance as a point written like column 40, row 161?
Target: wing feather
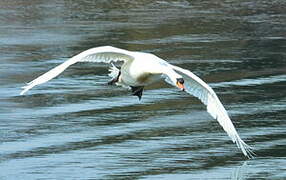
column 105, row 54
column 198, row 88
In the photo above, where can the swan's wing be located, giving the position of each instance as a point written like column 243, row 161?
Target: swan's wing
column 198, row 88
column 105, row 54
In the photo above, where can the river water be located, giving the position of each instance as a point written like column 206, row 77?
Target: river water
column 77, row 127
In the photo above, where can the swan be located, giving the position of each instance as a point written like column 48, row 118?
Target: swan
column 141, row 69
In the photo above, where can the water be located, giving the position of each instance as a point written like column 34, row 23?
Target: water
column 76, row 127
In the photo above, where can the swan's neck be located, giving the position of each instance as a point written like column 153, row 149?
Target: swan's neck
column 172, row 75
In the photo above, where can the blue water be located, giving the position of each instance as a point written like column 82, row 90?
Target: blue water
column 77, row 127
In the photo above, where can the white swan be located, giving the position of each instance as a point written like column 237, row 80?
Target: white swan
column 141, row 69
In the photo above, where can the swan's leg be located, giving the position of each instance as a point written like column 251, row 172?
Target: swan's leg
column 137, row 91
column 115, row 80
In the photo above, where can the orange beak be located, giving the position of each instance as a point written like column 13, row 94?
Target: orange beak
column 180, row 86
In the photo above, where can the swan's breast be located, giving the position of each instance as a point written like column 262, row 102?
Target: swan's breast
column 145, row 78
column 138, row 75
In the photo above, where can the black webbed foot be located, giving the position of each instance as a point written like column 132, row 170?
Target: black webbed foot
column 137, row 91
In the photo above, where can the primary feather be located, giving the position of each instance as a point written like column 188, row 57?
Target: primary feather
column 105, row 54
column 198, row 88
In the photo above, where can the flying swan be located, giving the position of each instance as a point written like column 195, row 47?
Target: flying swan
column 142, row 69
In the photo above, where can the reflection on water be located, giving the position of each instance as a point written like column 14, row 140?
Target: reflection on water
column 76, row 127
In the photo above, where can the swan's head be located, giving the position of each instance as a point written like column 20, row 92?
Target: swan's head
column 174, row 78
column 180, row 83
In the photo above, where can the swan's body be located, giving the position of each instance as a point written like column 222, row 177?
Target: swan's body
column 142, row 69
column 134, row 74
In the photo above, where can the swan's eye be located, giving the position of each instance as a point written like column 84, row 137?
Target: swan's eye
column 180, row 80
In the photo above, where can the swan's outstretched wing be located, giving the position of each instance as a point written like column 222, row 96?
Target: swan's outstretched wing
column 198, row 88
column 105, row 54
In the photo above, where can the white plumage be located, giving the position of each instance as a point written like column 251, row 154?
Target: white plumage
column 142, row 69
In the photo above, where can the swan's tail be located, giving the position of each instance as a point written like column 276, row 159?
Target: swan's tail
column 113, row 71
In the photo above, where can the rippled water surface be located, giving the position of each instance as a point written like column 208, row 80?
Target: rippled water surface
column 77, row 127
